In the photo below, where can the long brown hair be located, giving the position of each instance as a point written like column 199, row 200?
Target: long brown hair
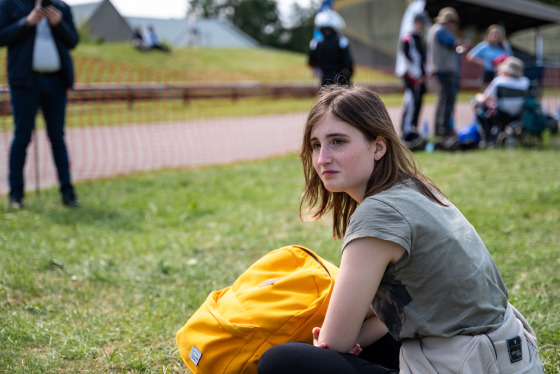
column 363, row 109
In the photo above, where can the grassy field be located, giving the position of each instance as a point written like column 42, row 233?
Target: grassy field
column 120, row 62
column 104, row 288
column 205, row 64
column 117, row 113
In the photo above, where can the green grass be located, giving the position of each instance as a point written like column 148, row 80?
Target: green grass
column 145, row 112
column 115, row 113
column 119, row 62
column 104, row 288
column 192, row 59
column 209, row 64
column 119, row 112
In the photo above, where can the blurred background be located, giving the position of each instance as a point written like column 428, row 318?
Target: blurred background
column 228, row 62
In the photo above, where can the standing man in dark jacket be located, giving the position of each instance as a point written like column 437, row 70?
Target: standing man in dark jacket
column 39, row 36
column 332, row 54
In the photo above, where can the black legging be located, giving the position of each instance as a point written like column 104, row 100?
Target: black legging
column 303, row 358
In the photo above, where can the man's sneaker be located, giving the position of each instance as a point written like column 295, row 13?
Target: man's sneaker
column 70, row 200
column 16, row 203
column 414, row 141
column 448, row 143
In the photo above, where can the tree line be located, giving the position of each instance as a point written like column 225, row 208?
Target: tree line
column 261, row 20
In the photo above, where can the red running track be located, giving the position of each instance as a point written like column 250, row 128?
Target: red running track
column 108, row 151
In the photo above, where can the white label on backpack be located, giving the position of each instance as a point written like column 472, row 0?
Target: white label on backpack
column 195, row 355
column 269, row 282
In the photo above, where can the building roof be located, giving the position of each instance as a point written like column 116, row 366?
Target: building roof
column 83, row 12
column 373, row 25
column 214, row 32
column 102, row 20
column 514, row 15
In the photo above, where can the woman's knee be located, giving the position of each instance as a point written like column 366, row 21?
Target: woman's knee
column 276, row 359
column 301, row 358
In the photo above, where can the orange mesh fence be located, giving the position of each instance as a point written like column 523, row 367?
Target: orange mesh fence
column 124, row 118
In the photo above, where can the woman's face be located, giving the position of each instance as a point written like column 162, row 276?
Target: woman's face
column 495, row 36
column 343, row 157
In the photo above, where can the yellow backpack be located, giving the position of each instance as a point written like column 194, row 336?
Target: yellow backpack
column 278, row 299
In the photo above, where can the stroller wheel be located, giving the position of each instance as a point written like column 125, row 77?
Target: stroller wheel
column 506, row 138
column 529, row 139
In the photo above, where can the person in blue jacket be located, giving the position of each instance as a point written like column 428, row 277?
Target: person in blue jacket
column 39, row 36
column 493, row 47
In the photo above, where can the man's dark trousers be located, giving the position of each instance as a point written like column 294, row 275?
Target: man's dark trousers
column 47, row 92
column 447, row 85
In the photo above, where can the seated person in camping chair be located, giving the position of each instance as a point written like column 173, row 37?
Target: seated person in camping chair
column 503, row 100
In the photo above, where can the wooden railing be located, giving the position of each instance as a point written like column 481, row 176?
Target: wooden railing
column 134, row 92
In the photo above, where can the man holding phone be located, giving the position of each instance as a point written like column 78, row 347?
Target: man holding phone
column 39, row 35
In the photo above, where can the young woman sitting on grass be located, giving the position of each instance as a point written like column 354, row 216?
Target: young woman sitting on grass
column 413, row 269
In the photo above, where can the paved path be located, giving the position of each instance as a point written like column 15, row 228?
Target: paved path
column 107, row 151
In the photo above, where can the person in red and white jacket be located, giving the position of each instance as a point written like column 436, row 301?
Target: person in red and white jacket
column 414, row 50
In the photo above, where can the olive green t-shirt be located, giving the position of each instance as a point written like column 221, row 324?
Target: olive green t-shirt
column 446, row 283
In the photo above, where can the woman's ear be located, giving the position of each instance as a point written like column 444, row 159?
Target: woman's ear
column 380, row 145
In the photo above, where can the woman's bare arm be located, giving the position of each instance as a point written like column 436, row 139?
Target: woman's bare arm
column 362, row 266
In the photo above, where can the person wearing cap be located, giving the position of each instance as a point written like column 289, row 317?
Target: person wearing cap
column 444, row 49
column 504, row 99
column 494, row 46
column 414, row 77
column 332, row 54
